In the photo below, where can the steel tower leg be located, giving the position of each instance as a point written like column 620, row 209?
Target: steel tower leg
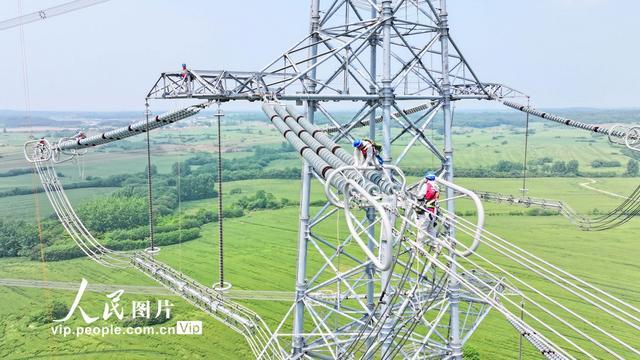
column 387, row 90
column 305, row 193
column 371, row 213
column 387, row 102
column 454, row 284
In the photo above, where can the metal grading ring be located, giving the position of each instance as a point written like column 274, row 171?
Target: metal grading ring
column 617, row 140
column 42, row 146
column 632, row 138
column 385, row 233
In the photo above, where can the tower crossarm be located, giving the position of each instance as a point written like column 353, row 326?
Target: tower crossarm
column 219, row 85
column 223, row 85
column 485, row 90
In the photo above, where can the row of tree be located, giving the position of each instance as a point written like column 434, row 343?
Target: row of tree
column 194, row 184
column 16, row 172
column 193, row 178
column 605, row 164
column 545, row 167
column 17, row 238
column 121, row 222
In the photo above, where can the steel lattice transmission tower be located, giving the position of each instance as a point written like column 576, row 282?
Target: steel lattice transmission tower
column 420, row 296
column 385, row 56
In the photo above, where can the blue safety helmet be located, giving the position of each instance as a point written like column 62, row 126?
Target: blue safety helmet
column 357, row 143
column 184, row 65
column 429, row 175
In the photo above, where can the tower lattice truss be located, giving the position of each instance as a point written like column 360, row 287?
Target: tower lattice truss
column 371, row 281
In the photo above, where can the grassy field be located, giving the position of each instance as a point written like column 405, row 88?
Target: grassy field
column 23, row 207
column 475, row 147
column 260, row 252
column 169, row 146
column 266, row 240
column 485, row 147
column 21, row 338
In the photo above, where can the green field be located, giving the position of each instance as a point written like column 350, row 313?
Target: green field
column 260, row 247
column 260, row 255
column 484, row 147
column 476, row 148
column 23, row 339
column 23, row 207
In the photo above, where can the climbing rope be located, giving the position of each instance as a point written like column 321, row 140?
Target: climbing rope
column 149, row 179
column 179, row 195
column 526, row 151
column 34, row 178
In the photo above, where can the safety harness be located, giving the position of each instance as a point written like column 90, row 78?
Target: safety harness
column 430, row 199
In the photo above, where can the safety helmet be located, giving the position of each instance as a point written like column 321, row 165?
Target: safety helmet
column 357, row 143
column 429, row 175
column 184, row 65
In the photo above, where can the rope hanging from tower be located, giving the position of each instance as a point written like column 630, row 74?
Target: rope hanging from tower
column 526, row 153
column 152, row 248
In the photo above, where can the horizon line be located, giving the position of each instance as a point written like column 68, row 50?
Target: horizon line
column 497, row 109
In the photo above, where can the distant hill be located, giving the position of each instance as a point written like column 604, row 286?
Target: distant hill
column 18, row 120
column 11, row 118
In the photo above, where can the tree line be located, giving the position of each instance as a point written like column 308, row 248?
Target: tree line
column 543, row 167
column 197, row 173
column 120, row 221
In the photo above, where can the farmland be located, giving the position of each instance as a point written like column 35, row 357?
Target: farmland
column 260, row 247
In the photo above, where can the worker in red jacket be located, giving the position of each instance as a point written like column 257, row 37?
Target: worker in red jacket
column 187, row 78
column 80, row 135
column 427, row 210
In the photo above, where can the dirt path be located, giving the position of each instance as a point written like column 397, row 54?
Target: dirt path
column 587, row 184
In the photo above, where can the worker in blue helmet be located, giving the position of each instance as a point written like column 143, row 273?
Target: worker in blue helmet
column 365, row 150
column 427, row 208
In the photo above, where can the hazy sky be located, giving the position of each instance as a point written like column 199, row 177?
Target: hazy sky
column 561, row 52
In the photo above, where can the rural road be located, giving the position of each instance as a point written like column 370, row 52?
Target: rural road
column 143, row 290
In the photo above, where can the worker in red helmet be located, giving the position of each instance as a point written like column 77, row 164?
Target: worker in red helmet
column 427, row 210
column 42, row 149
column 365, row 151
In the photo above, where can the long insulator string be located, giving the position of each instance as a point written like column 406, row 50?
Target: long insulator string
column 562, row 120
column 149, row 179
column 219, row 115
